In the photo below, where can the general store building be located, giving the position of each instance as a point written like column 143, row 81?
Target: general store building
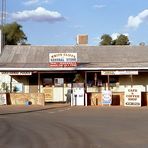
column 41, row 74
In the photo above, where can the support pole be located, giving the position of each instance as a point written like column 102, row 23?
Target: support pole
column 95, row 78
column 39, row 82
column 10, row 84
column 85, row 89
column 131, row 80
column 3, row 21
column 108, row 82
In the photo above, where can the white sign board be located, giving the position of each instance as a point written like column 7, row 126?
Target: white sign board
column 123, row 72
column 62, row 59
column 16, row 73
column 132, row 96
column 106, row 97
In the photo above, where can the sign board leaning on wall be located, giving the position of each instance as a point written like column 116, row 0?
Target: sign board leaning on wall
column 106, row 97
column 48, row 92
column 62, row 59
column 132, row 96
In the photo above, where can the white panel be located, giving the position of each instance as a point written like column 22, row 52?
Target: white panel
column 58, row 94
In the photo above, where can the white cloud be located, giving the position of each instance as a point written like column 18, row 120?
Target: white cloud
column 135, row 21
column 98, row 6
column 40, row 15
column 31, row 2
column 115, row 35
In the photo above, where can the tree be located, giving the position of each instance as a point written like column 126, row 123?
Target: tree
column 122, row 40
column 106, row 39
column 78, row 78
column 14, row 34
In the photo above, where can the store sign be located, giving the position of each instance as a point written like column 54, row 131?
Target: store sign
column 132, row 96
column 62, row 59
column 106, row 97
column 16, row 73
column 125, row 72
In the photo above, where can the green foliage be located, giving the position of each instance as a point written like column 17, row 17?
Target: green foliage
column 121, row 40
column 106, row 39
column 14, row 34
column 4, row 87
column 78, row 78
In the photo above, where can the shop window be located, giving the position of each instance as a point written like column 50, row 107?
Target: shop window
column 58, row 81
column 113, row 81
column 47, row 81
column 79, row 78
column 95, row 79
column 17, row 87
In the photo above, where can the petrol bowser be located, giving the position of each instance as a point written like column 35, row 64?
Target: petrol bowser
column 77, row 94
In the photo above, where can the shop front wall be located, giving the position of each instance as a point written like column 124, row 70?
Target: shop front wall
column 94, row 93
column 26, row 99
column 25, row 84
column 17, row 84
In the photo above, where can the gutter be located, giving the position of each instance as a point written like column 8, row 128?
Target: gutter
column 67, row 69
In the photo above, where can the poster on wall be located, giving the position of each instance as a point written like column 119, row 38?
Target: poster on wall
column 58, row 81
column 106, row 97
column 3, row 100
column 132, row 96
column 48, row 92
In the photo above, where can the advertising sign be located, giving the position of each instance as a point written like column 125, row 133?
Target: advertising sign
column 62, row 59
column 106, row 97
column 16, row 73
column 122, row 72
column 3, row 100
column 132, row 96
column 48, row 92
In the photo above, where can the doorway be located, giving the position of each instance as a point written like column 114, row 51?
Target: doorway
column 33, row 83
column 115, row 100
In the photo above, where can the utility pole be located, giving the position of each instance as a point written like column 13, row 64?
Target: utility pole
column 3, row 21
column 3, row 12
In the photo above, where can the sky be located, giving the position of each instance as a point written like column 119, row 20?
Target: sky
column 58, row 22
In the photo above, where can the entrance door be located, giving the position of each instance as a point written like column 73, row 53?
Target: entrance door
column 115, row 99
column 33, row 83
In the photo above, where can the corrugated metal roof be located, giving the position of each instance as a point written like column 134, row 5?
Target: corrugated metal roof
column 88, row 56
